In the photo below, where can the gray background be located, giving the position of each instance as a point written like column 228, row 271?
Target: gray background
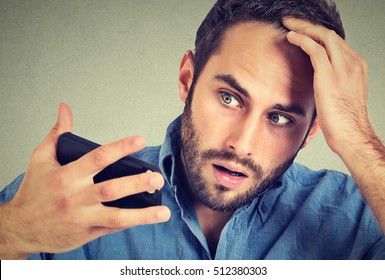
column 116, row 64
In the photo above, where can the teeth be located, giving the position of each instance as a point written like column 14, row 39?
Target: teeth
column 235, row 173
column 232, row 173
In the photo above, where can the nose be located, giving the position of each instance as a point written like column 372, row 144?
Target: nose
column 244, row 137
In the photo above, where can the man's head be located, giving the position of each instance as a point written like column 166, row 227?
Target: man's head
column 227, row 13
column 249, row 101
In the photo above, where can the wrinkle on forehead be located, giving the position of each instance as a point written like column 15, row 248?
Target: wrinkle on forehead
column 258, row 48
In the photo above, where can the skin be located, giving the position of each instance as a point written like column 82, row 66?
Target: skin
column 58, row 208
column 246, row 115
column 344, row 98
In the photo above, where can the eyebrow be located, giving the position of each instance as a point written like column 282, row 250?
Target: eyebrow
column 232, row 82
column 293, row 109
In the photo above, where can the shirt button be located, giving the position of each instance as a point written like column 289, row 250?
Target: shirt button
column 264, row 208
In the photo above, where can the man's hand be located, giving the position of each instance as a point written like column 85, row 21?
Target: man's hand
column 340, row 92
column 58, row 208
column 340, row 83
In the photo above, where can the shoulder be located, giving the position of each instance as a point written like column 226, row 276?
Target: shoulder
column 321, row 187
column 302, row 175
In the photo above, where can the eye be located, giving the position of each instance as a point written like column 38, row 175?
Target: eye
column 230, row 99
column 280, row 119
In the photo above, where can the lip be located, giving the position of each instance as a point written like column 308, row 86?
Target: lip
column 227, row 180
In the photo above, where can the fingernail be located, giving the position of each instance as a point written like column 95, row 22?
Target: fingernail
column 155, row 182
column 139, row 141
column 287, row 18
column 291, row 33
column 163, row 215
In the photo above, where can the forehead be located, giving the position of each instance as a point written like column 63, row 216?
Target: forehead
column 260, row 57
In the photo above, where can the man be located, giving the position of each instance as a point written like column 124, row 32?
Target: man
column 260, row 83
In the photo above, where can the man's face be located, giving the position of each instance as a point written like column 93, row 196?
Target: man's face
column 251, row 111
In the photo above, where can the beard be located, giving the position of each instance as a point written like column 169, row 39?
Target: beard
column 218, row 197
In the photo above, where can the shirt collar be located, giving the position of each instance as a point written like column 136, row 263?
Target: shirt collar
column 170, row 150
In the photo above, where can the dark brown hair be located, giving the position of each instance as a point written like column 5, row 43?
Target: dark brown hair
column 227, row 13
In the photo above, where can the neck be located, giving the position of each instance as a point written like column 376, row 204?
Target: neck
column 211, row 222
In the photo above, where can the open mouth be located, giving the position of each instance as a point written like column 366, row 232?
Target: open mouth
column 230, row 172
column 228, row 178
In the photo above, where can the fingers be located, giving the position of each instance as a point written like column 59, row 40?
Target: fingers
column 318, row 56
column 325, row 37
column 322, row 45
column 116, row 218
column 47, row 149
column 319, row 33
column 336, row 49
column 93, row 162
column 120, row 187
column 340, row 80
column 328, row 51
column 64, row 121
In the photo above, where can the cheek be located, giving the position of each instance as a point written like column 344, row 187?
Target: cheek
column 214, row 125
column 281, row 144
column 208, row 128
column 207, row 118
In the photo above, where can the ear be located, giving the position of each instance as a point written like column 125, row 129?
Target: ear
column 186, row 75
column 312, row 133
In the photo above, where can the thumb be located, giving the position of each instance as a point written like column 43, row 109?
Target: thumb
column 63, row 124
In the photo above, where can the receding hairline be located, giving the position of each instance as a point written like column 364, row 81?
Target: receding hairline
column 262, row 23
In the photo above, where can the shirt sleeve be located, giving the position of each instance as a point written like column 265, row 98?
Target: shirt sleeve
column 9, row 191
column 377, row 252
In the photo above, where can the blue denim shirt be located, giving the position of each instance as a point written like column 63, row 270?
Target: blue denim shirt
column 309, row 215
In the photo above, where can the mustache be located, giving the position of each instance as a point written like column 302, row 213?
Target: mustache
column 249, row 163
